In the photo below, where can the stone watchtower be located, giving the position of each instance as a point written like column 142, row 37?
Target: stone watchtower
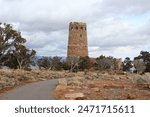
column 77, row 42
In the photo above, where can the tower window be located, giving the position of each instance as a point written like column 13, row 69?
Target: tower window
column 76, row 27
column 80, row 35
column 71, row 28
column 81, row 28
column 85, row 28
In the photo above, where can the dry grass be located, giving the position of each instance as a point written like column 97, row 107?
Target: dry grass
column 94, row 85
column 11, row 78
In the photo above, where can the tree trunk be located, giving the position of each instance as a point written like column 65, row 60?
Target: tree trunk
column 20, row 63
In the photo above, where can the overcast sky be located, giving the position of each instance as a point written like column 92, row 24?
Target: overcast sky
column 116, row 28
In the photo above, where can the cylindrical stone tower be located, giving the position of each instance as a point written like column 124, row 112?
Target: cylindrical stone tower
column 77, row 42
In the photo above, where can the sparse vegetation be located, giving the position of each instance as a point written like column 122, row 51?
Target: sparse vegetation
column 51, row 63
column 145, row 56
column 127, row 64
column 139, row 65
column 12, row 78
column 104, row 63
column 104, row 86
column 84, row 77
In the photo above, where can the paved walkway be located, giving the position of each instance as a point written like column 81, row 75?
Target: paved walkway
column 43, row 90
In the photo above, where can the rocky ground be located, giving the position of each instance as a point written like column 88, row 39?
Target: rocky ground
column 83, row 85
column 93, row 86
column 13, row 78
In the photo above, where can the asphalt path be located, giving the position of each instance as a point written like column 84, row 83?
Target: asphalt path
column 43, row 90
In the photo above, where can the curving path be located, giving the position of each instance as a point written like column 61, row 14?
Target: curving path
column 43, row 90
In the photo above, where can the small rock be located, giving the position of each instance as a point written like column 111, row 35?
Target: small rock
column 147, row 74
column 78, row 77
column 89, row 78
column 95, row 89
column 116, row 77
column 41, row 80
column 12, row 84
column 62, row 81
column 61, row 87
column 131, row 96
column 73, row 96
column 85, row 87
column 141, row 81
column 71, row 90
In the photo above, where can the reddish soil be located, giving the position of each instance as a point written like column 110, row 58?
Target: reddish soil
column 107, row 89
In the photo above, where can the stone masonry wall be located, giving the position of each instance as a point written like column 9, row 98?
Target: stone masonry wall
column 77, row 42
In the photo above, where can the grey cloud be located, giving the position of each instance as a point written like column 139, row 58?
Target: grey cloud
column 126, row 6
column 45, row 23
column 116, row 32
